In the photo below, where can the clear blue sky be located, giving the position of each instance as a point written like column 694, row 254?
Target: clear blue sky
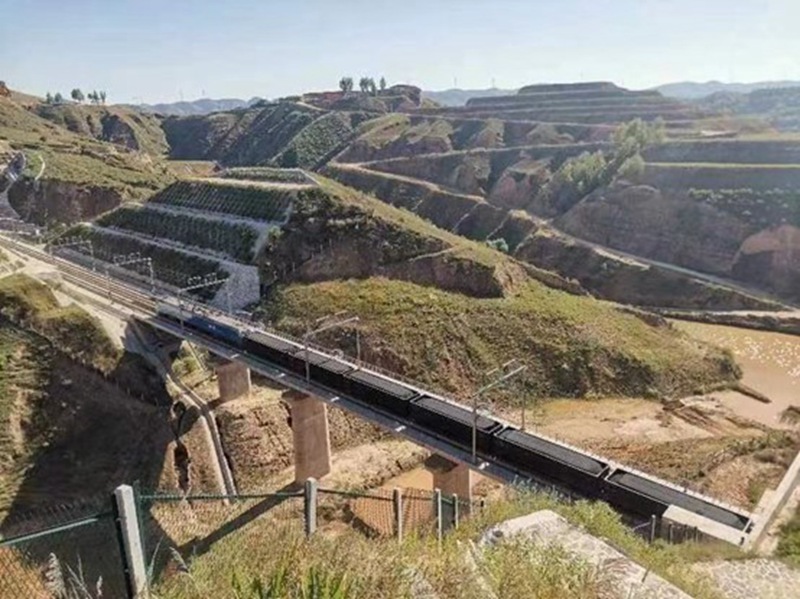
column 148, row 50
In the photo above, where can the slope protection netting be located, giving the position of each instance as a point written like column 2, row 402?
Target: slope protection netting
column 170, row 266
column 264, row 173
column 256, row 202
column 236, row 240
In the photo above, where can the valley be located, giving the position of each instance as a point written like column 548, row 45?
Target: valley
column 553, row 226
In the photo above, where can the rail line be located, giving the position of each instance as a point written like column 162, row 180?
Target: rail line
column 440, row 424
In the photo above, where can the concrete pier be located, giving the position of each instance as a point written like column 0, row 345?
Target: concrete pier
column 451, row 478
column 312, row 443
column 233, row 379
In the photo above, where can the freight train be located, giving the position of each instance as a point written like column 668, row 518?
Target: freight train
column 528, row 455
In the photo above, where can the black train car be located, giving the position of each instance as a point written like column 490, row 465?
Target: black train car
column 550, row 461
column 646, row 497
column 272, row 349
column 454, row 422
column 380, row 392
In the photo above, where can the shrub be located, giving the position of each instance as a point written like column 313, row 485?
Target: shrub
column 234, row 239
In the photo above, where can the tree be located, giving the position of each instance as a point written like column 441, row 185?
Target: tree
column 48, row 98
column 346, row 84
column 382, row 84
column 95, row 97
column 363, row 84
column 77, row 95
column 632, row 169
column 103, row 97
column 289, row 158
column 499, row 244
column 372, row 87
column 58, row 98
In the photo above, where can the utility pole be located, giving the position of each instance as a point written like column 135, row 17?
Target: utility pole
column 503, row 374
column 322, row 325
column 196, row 282
column 79, row 243
column 133, row 259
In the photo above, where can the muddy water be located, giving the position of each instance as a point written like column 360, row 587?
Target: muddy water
column 770, row 363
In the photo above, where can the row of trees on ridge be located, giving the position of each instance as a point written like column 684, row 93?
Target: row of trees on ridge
column 95, row 97
column 365, row 84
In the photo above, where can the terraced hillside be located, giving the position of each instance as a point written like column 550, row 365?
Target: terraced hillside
column 285, row 134
column 601, row 102
column 80, row 176
column 510, row 182
column 729, row 208
column 198, row 228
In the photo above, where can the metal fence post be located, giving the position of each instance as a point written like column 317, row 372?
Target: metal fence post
column 397, row 504
column 127, row 522
column 310, row 506
column 652, row 528
column 455, row 510
column 437, row 504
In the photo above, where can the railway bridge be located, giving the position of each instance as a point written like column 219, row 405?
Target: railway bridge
column 316, row 378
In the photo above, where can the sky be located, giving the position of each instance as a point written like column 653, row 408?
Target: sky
column 167, row 50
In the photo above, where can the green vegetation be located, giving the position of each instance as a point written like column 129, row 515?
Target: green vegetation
column 789, row 544
column 316, row 142
column 343, row 564
column 76, row 159
column 233, row 239
column 31, row 304
column 249, row 200
column 115, row 124
column 579, row 176
column 253, row 136
column 170, row 266
column 574, row 346
column 263, row 173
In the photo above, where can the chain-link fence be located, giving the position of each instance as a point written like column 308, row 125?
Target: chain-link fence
column 182, row 545
column 178, row 531
column 62, row 551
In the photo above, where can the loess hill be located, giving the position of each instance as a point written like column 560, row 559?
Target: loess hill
column 305, row 242
column 62, row 398
column 81, row 176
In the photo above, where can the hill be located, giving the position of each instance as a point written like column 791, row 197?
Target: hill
column 692, row 90
column 114, row 124
column 302, row 235
column 195, row 107
column 62, row 398
column 287, row 134
column 574, row 346
column 459, row 97
column 779, row 106
column 80, row 177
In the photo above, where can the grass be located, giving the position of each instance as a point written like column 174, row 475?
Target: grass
column 76, row 159
column 789, row 544
column 473, row 250
column 28, row 302
column 265, row 560
column 117, row 124
column 574, row 346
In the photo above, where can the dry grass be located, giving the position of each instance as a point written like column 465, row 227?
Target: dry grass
column 574, row 346
column 276, row 556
